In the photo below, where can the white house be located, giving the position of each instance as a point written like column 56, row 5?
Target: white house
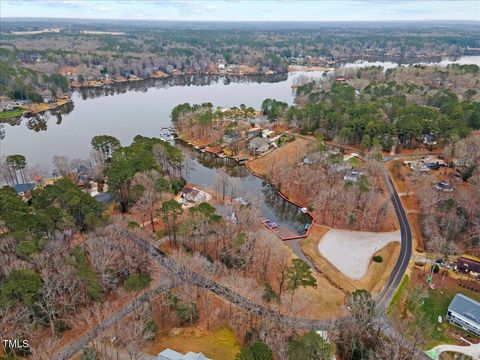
column 195, row 195
column 465, row 313
column 169, row 354
column 259, row 146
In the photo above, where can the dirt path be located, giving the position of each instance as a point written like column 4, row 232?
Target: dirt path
column 351, row 251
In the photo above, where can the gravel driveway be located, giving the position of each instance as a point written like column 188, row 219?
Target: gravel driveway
column 351, row 251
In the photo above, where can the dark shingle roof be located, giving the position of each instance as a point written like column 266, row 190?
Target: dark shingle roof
column 465, row 306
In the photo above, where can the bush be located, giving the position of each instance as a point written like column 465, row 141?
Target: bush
column 257, row 351
column 150, row 330
column 136, row 282
column 25, row 248
column 133, row 225
column 377, row 258
column 89, row 353
column 186, row 312
column 84, row 272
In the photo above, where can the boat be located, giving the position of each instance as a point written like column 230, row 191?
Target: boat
column 167, row 136
column 304, row 210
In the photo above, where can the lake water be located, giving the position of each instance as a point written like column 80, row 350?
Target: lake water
column 143, row 108
column 127, row 110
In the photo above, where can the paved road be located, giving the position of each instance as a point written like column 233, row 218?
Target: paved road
column 406, row 242
column 405, row 246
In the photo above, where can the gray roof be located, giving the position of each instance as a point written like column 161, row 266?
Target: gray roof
column 169, row 354
column 466, row 307
column 258, row 142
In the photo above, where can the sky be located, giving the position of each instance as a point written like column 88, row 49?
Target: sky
column 246, row 10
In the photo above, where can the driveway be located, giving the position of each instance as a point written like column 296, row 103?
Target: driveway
column 472, row 350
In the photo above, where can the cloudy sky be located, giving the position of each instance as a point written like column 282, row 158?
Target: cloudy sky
column 249, row 10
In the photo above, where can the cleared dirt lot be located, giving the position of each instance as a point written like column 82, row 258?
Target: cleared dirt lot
column 351, row 251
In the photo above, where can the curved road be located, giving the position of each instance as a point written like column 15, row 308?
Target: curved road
column 405, row 246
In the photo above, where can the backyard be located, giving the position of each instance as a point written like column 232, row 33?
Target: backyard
column 220, row 343
column 421, row 306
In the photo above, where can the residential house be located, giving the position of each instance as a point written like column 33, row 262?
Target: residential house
column 429, row 139
column 254, row 132
column 464, row 313
column 417, row 165
column 169, row 354
column 231, row 136
column 433, row 163
column 267, row 133
column 259, row 146
column 352, row 176
column 444, row 186
column 195, row 195
column 25, row 190
column 466, row 264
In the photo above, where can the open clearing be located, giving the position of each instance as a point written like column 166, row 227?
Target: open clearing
column 219, row 343
column 351, row 251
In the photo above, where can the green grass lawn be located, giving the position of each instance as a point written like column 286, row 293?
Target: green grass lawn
column 355, row 162
column 425, row 312
column 398, row 295
column 11, row 114
column 435, row 304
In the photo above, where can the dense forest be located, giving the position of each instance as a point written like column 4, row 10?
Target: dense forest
column 385, row 113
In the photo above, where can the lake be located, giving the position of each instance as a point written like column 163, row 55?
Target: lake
column 127, row 110
column 143, row 108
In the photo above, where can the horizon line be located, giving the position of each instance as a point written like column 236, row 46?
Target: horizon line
column 237, row 21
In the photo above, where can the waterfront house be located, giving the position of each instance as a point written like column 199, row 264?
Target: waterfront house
column 258, row 146
column 195, row 195
column 169, row 354
column 231, row 136
column 464, row 313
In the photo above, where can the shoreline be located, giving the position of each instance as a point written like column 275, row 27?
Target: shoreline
column 279, row 193
column 38, row 108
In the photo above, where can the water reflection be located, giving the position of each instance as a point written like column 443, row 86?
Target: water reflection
column 203, row 169
column 165, row 83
